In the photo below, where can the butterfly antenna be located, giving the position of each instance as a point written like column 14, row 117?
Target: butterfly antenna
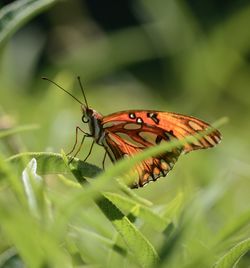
column 80, row 83
column 47, row 79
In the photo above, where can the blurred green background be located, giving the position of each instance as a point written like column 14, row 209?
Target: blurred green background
column 190, row 57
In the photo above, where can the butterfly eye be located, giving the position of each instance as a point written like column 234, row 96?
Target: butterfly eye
column 85, row 119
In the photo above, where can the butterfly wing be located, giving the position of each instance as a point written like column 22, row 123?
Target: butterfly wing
column 148, row 170
column 129, row 132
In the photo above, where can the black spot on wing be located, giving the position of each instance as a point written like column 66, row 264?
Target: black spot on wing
column 169, row 135
column 158, row 139
column 153, row 116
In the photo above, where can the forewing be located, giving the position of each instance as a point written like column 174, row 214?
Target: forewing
column 164, row 125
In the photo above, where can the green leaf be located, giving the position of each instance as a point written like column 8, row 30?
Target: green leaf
column 16, row 14
column 32, row 182
column 233, row 255
column 143, row 251
column 172, row 209
column 53, row 163
column 234, row 226
column 138, row 210
column 84, row 234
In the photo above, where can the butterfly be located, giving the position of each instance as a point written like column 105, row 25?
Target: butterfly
column 125, row 133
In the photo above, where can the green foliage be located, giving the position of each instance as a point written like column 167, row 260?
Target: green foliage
column 231, row 258
column 14, row 15
column 59, row 214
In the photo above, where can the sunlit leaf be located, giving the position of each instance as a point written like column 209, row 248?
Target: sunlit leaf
column 52, row 163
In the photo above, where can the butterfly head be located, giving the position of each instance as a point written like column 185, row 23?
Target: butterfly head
column 94, row 120
column 89, row 114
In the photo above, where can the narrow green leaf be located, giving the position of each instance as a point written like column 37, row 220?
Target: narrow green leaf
column 31, row 182
column 233, row 255
column 6, row 255
column 141, row 248
column 83, row 234
column 172, row 209
column 16, row 14
column 138, row 210
column 233, row 227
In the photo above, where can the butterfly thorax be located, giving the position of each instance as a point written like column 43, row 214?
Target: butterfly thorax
column 94, row 120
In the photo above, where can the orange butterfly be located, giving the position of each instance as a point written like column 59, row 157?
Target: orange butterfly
column 129, row 132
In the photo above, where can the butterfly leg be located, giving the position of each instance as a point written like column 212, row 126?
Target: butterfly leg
column 103, row 161
column 90, row 150
column 76, row 139
column 78, row 150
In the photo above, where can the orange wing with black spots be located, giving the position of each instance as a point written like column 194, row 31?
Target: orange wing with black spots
column 130, row 132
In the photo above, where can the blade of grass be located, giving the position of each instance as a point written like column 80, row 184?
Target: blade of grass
column 144, row 252
column 79, row 233
column 150, row 217
column 7, row 255
column 232, row 257
column 16, row 14
column 233, row 227
column 172, row 209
